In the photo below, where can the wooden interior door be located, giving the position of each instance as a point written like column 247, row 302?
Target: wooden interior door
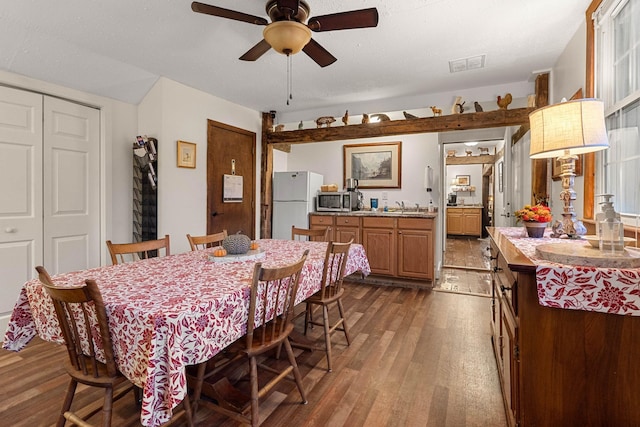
column 230, row 151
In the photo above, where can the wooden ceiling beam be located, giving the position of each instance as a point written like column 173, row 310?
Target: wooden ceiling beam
column 471, row 160
column 451, row 122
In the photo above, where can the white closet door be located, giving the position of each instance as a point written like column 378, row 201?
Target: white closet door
column 72, row 186
column 20, row 193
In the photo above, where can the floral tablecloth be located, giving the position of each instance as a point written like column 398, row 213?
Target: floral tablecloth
column 606, row 290
column 169, row 312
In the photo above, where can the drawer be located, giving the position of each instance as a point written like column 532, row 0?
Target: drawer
column 378, row 222
column 415, row 223
column 506, row 283
column 347, row 221
column 326, row 220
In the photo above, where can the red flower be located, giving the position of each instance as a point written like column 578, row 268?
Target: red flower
column 535, row 213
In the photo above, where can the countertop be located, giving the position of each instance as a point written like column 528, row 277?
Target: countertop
column 393, row 214
column 466, row 206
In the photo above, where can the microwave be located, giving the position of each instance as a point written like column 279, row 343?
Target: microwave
column 339, row 201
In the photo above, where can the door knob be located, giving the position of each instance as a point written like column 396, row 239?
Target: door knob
column 10, row 230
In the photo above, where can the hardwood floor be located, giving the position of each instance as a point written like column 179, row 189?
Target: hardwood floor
column 417, row 358
column 466, row 267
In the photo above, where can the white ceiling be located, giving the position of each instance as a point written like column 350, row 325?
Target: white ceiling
column 119, row 48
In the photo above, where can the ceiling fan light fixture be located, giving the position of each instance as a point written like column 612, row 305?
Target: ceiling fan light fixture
column 287, row 37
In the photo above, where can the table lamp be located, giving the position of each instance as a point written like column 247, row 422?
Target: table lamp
column 566, row 130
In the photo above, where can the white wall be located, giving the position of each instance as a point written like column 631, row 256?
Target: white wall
column 171, row 112
column 499, row 210
column 521, row 164
column 418, row 151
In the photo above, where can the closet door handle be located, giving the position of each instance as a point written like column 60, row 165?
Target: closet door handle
column 10, row 230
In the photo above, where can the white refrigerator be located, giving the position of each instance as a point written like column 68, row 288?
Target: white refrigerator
column 293, row 199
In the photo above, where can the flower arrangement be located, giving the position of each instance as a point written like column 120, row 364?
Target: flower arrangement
column 535, row 213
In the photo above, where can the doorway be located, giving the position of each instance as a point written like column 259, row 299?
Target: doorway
column 468, row 187
column 231, row 153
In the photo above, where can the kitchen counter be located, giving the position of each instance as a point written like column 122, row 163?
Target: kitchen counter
column 398, row 244
column 406, row 214
column 466, row 206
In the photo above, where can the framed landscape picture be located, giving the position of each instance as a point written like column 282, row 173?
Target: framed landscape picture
column 373, row 165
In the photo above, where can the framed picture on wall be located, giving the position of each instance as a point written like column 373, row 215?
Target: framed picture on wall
column 186, row 154
column 463, row 179
column 373, row 165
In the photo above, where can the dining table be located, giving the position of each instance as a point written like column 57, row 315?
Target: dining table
column 166, row 313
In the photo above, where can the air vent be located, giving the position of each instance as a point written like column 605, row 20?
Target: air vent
column 471, row 63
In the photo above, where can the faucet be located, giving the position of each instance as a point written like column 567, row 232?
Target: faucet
column 417, row 207
column 401, row 204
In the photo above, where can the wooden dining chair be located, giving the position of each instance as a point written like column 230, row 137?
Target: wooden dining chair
column 270, row 288
column 75, row 307
column 330, row 293
column 126, row 252
column 313, row 234
column 207, row 241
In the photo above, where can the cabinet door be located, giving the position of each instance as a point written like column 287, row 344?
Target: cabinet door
column 322, row 222
column 454, row 221
column 380, row 245
column 511, row 365
column 347, row 228
column 472, row 223
column 345, row 234
column 414, row 254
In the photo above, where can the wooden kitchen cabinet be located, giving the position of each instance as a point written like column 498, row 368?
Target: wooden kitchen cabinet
column 415, row 248
column 347, row 228
column 322, row 222
column 559, row 367
column 464, row 221
column 396, row 245
column 505, row 333
column 379, row 241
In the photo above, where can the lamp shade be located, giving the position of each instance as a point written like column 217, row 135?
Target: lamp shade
column 577, row 126
column 287, row 37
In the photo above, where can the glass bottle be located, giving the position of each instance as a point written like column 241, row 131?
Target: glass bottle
column 610, row 228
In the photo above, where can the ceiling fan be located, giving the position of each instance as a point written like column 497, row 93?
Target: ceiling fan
column 287, row 33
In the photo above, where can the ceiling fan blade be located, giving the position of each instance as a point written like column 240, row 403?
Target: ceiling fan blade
column 363, row 18
column 257, row 51
column 226, row 13
column 318, row 53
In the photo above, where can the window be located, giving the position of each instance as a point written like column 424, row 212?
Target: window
column 617, row 25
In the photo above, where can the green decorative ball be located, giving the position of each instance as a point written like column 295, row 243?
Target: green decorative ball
column 236, row 244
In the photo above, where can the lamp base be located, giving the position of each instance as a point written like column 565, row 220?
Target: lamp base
column 572, row 227
column 569, row 225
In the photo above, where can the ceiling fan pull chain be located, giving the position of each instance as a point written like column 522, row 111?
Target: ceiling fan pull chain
column 289, row 79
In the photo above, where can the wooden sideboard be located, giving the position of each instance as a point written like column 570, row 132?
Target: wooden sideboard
column 464, row 221
column 396, row 245
column 559, row 367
